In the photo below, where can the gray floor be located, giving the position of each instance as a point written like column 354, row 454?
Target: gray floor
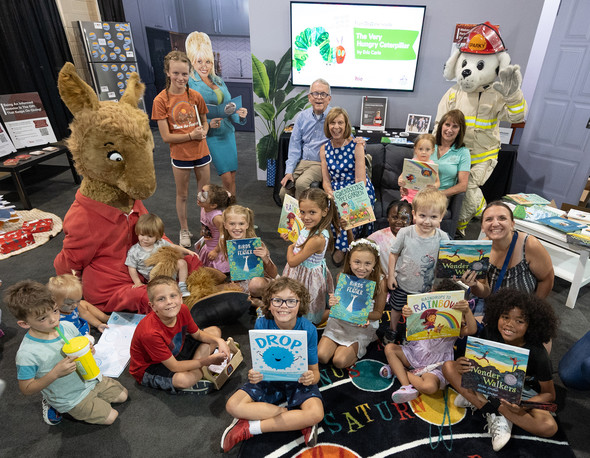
column 153, row 423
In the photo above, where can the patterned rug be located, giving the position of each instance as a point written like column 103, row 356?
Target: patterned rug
column 41, row 237
column 362, row 421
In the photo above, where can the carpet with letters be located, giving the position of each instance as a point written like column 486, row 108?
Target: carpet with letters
column 361, row 420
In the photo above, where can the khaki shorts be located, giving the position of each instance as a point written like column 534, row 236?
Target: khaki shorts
column 96, row 407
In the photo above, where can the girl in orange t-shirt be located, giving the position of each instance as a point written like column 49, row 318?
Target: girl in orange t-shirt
column 175, row 109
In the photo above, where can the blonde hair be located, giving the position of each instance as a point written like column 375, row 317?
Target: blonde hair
column 241, row 211
column 430, row 198
column 64, row 287
column 157, row 281
column 427, row 138
column 150, row 225
column 198, row 45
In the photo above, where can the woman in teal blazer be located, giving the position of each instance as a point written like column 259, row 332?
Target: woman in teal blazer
column 221, row 138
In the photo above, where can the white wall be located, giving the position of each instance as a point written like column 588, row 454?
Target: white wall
column 518, row 19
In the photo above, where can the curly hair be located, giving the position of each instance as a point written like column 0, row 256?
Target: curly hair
column 541, row 319
column 280, row 284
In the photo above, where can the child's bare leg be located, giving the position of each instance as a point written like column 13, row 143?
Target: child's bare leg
column 453, row 376
column 241, row 405
column 345, row 356
column 183, row 380
column 535, row 421
column 182, row 267
column 310, row 413
column 426, row 383
column 111, row 417
column 395, row 314
column 326, row 349
column 398, row 362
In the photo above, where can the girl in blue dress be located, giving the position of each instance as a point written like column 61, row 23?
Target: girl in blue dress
column 343, row 164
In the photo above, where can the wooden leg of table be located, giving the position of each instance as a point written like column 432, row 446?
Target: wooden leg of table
column 20, row 187
column 575, row 286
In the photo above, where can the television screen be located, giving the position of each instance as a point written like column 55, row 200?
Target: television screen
column 356, row 46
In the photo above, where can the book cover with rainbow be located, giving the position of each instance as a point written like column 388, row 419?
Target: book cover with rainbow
column 243, row 263
column 418, row 174
column 290, row 220
column 433, row 316
column 497, row 369
column 457, row 256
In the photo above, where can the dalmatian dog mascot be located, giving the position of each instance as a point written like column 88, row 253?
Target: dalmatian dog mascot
column 479, row 59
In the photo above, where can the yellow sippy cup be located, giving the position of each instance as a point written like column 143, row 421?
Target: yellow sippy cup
column 79, row 349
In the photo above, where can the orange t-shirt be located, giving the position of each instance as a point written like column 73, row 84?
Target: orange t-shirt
column 179, row 111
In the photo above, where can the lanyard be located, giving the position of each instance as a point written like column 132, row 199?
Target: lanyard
column 506, row 262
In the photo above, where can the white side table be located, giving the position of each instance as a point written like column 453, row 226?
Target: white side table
column 569, row 260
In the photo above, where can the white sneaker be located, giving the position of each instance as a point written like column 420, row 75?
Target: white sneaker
column 185, row 238
column 460, row 401
column 500, row 429
column 183, row 289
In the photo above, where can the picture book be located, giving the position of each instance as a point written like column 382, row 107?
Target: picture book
column 112, row 349
column 243, row 263
column 498, row 370
column 354, row 205
column 418, row 174
column 279, row 355
column 290, row 222
column 562, row 224
column 527, row 199
column 433, row 315
column 224, row 111
column 535, row 212
column 578, row 215
column 457, row 256
column 356, row 299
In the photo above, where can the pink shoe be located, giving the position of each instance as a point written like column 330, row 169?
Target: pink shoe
column 405, row 394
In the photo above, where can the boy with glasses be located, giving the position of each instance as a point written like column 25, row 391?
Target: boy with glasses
column 256, row 406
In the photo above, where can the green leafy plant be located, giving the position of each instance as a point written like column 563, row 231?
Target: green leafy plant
column 272, row 83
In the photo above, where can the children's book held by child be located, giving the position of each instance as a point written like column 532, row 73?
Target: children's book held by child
column 418, row 175
column 498, row 370
column 290, row 221
column 354, row 205
column 243, row 263
column 112, row 349
column 279, row 355
column 527, row 199
column 457, row 256
column 433, row 315
column 356, row 299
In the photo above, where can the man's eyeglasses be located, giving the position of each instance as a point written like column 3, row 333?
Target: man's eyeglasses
column 278, row 302
column 319, row 95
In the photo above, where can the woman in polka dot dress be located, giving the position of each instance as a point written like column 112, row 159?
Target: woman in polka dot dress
column 343, row 164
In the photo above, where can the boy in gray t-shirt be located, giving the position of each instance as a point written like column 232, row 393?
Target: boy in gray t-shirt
column 414, row 253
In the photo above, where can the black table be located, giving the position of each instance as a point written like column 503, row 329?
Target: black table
column 16, row 170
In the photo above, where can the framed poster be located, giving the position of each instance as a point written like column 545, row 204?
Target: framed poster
column 373, row 113
column 26, row 120
column 418, row 124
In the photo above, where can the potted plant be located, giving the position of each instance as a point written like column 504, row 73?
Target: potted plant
column 272, row 83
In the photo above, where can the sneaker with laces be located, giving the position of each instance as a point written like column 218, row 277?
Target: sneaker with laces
column 460, row 401
column 390, row 336
column 183, row 289
column 405, row 394
column 201, row 388
column 50, row 415
column 500, row 429
column 236, row 432
column 385, row 371
column 185, row 238
column 310, row 435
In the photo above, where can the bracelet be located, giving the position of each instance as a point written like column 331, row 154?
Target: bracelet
column 189, row 136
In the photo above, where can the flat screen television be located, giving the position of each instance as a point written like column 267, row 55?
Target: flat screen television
column 356, row 45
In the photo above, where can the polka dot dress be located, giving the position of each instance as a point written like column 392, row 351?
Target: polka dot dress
column 341, row 166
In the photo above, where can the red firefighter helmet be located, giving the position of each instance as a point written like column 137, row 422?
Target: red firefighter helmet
column 482, row 39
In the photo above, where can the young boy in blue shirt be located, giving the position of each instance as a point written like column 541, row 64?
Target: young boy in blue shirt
column 41, row 366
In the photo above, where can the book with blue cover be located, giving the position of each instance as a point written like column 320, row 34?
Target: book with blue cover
column 354, row 205
column 356, row 299
column 457, row 256
column 243, row 263
column 433, row 315
column 279, row 355
column 562, row 224
column 497, row 370
column 419, row 174
column 224, row 111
